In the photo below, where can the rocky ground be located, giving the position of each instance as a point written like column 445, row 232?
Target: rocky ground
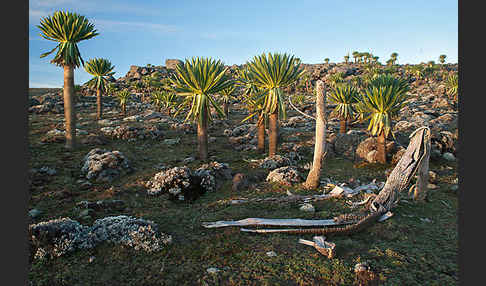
column 143, row 167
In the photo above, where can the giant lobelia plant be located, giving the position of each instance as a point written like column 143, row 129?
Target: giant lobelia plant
column 197, row 80
column 67, row 29
column 272, row 73
column 382, row 101
column 100, row 69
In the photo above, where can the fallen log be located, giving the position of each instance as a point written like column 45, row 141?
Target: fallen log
column 273, row 222
column 415, row 158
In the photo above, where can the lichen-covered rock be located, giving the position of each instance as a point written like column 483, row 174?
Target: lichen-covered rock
column 274, row 162
column 132, row 132
column 177, row 182
column 183, row 184
column 285, row 175
column 213, row 175
column 57, row 237
column 101, row 204
column 134, row 232
column 104, row 166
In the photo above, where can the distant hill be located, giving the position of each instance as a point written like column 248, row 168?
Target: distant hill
column 41, row 91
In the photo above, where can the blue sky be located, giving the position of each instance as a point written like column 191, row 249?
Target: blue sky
column 149, row 32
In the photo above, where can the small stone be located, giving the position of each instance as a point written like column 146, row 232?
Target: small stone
column 212, row 270
column 91, row 259
column 361, row 267
column 432, row 186
column 85, row 213
column 425, row 219
column 449, row 156
column 271, row 254
column 454, row 188
column 307, row 208
column 172, row 141
column 34, row 213
column 86, row 218
column 432, row 177
column 188, row 160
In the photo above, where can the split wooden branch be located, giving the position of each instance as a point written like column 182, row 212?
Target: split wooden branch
column 293, row 106
column 324, row 247
column 272, row 222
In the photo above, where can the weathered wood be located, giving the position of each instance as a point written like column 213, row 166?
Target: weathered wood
column 324, row 247
column 273, row 222
column 416, row 154
column 415, row 158
column 312, row 181
column 288, row 199
column 420, row 188
column 348, row 229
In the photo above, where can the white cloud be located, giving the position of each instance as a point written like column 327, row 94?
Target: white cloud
column 43, row 85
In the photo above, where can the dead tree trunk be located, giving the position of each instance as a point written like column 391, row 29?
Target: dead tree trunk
column 312, row 181
column 416, row 155
column 419, row 190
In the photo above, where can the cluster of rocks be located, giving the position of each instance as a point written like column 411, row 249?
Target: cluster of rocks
column 187, row 128
column 213, row 175
column 40, row 176
column 286, row 175
column 242, row 137
column 47, row 103
column 101, row 204
column 274, row 162
column 57, row 237
column 181, row 183
column 104, row 166
column 132, row 132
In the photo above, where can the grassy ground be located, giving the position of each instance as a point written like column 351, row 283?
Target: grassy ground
column 404, row 250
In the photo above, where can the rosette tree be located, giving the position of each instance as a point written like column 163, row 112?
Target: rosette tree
column 123, row 97
column 197, row 80
column 67, row 29
column 100, row 69
column 345, row 96
column 272, row 73
column 452, row 85
column 382, row 101
column 227, row 94
column 254, row 103
column 346, row 58
column 393, row 58
column 442, row 59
